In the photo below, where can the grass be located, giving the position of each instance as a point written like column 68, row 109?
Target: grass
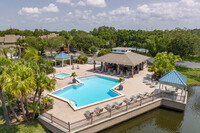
column 193, row 75
column 23, row 127
column 194, row 58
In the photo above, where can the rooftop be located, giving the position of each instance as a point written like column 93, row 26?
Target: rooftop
column 174, row 77
column 129, row 58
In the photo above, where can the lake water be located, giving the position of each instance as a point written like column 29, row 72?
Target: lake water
column 164, row 120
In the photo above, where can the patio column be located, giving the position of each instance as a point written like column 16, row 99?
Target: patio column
column 138, row 68
column 62, row 63
column 117, row 68
column 132, row 70
column 142, row 65
column 101, row 64
column 181, row 93
column 94, row 65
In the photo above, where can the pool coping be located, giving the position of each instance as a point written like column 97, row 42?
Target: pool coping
column 73, row 106
column 60, row 78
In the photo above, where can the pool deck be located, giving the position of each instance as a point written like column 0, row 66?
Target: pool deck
column 63, row 111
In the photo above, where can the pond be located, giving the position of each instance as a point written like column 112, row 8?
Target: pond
column 164, row 120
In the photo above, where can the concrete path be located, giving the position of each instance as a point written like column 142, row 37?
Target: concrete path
column 188, row 64
column 182, row 63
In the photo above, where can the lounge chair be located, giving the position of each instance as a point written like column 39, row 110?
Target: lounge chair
column 127, row 101
column 127, row 75
column 72, row 67
column 114, row 72
column 117, row 105
column 133, row 98
column 148, row 82
column 147, row 94
column 88, row 115
column 101, row 71
column 153, row 84
column 121, row 74
column 109, row 108
column 145, row 80
column 77, row 67
column 140, row 95
column 108, row 72
column 98, row 111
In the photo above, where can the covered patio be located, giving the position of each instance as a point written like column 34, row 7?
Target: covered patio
column 62, row 56
column 175, row 80
column 128, row 63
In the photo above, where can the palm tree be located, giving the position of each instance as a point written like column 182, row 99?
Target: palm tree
column 43, row 83
column 3, row 62
column 73, row 75
column 22, row 81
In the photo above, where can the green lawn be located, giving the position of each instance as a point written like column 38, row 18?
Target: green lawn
column 35, row 127
column 193, row 58
column 193, row 75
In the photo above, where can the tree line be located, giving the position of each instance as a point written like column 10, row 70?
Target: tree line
column 181, row 42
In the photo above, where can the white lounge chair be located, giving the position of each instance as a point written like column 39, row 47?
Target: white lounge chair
column 108, row 72
column 77, row 67
column 121, row 74
column 153, row 84
column 117, row 105
column 98, row 111
column 127, row 74
column 72, row 67
column 114, row 72
column 145, row 80
column 88, row 115
column 133, row 98
column 109, row 108
column 127, row 101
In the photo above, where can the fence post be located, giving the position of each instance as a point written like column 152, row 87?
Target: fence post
column 51, row 118
column 111, row 113
column 69, row 126
column 140, row 101
column 126, row 106
column 91, row 118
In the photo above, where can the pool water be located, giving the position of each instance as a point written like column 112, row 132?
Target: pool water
column 62, row 75
column 94, row 89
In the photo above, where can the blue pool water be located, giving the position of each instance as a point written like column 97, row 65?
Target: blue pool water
column 62, row 75
column 93, row 89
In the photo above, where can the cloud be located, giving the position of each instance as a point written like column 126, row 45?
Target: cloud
column 96, row 3
column 103, row 14
column 50, row 8
column 29, row 11
column 36, row 11
column 64, row 1
column 169, row 10
column 50, row 20
column 121, row 11
column 81, row 3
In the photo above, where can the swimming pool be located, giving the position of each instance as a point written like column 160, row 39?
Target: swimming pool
column 91, row 90
column 61, row 75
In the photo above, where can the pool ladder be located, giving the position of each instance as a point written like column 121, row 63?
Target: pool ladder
column 73, row 101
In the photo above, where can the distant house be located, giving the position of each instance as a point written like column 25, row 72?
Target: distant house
column 49, row 35
column 10, row 40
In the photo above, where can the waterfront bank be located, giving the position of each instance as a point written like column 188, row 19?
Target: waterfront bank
column 163, row 120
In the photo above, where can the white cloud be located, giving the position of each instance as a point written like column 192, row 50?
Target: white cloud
column 96, row 3
column 169, row 10
column 81, row 3
column 50, row 8
column 64, row 1
column 36, row 11
column 103, row 14
column 50, row 20
column 121, row 11
column 29, row 11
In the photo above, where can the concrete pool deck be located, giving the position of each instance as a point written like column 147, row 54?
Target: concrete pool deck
column 63, row 111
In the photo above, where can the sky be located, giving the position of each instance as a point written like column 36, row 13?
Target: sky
column 57, row 15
